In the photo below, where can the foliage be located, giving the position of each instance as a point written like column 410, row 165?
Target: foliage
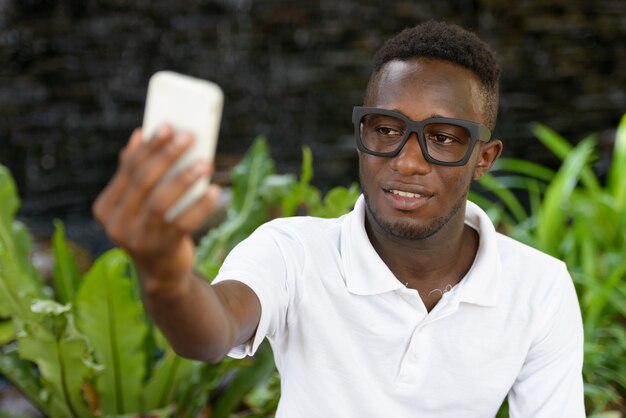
column 84, row 347
column 260, row 195
column 580, row 218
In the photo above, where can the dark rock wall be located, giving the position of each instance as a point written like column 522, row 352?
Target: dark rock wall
column 73, row 76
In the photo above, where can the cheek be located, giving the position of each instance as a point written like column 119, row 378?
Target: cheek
column 369, row 166
column 457, row 184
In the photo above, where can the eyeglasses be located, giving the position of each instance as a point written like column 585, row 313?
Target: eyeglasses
column 443, row 141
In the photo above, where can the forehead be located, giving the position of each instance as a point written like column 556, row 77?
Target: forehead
column 424, row 87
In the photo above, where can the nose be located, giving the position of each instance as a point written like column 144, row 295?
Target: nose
column 410, row 160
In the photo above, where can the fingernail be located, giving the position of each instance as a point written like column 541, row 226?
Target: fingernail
column 182, row 139
column 198, row 168
column 163, row 130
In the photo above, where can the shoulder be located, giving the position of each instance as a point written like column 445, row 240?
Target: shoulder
column 303, row 229
column 523, row 257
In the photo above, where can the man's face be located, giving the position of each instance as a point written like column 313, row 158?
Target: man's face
column 406, row 196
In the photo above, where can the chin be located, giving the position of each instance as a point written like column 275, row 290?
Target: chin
column 410, row 229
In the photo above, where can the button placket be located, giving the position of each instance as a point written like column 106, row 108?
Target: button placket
column 416, row 353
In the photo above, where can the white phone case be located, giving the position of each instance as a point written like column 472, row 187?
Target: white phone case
column 187, row 104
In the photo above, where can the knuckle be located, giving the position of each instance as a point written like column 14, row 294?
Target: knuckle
column 116, row 235
column 157, row 206
column 172, row 152
column 98, row 210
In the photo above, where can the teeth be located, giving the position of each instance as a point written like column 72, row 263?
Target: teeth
column 405, row 194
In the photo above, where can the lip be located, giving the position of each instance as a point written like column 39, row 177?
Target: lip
column 404, row 202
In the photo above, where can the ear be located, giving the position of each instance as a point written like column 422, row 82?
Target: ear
column 488, row 153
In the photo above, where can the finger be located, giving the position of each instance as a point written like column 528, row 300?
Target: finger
column 133, row 144
column 138, row 150
column 168, row 193
column 146, row 178
column 195, row 215
column 134, row 180
column 131, row 157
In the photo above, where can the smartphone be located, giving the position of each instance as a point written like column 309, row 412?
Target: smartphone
column 187, row 104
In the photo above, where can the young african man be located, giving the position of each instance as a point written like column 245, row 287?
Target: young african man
column 412, row 305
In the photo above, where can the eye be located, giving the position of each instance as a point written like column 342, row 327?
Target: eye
column 441, row 139
column 388, row 131
column 443, row 134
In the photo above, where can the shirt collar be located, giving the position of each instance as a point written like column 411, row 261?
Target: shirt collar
column 367, row 274
column 481, row 284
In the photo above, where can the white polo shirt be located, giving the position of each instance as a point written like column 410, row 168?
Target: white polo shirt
column 350, row 340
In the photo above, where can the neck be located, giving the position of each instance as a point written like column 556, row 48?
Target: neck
column 437, row 261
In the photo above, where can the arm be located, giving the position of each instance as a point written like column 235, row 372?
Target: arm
column 200, row 321
column 550, row 382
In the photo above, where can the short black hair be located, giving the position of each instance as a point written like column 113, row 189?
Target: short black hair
column 447, row 42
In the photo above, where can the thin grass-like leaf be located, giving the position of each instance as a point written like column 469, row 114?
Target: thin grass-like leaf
column 553, row 216
column 616, row 180
column 511, row 202
column 168, row 374
column 597, row 303
column 562, row 148
column 524, row 168
column 246, row 379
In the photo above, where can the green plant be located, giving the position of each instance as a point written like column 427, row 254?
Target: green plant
column 84, row 346
column 575, row 215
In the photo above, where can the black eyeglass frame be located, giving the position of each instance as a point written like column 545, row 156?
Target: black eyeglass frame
column 477, row 132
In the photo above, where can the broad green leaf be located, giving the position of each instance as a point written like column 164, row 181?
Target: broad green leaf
column 245, row 213
column 20, row 373
column 8, row 193
column 248, row 175
column 7, row 332
column 13, row 236
column 18, row 279
column 306, row 173
column 16, row 287
column 62, row 355
column 276, row 187
column 338, row 201
column 302, row 195
column 66, row 274
column 112, row 318
column 609, row 414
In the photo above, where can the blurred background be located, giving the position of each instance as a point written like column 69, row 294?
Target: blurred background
column 73, row 78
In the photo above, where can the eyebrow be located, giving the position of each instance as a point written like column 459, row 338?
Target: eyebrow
column 433, row 115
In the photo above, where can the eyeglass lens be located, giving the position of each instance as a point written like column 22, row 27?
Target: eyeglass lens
column 444, row 142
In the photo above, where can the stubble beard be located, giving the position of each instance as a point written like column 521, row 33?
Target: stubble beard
column 409, row 231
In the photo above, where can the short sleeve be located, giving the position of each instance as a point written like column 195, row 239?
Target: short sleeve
column 550, row 382
column 265, row 262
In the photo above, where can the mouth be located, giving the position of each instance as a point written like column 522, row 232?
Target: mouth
column 402, row 193
column 405, row 200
